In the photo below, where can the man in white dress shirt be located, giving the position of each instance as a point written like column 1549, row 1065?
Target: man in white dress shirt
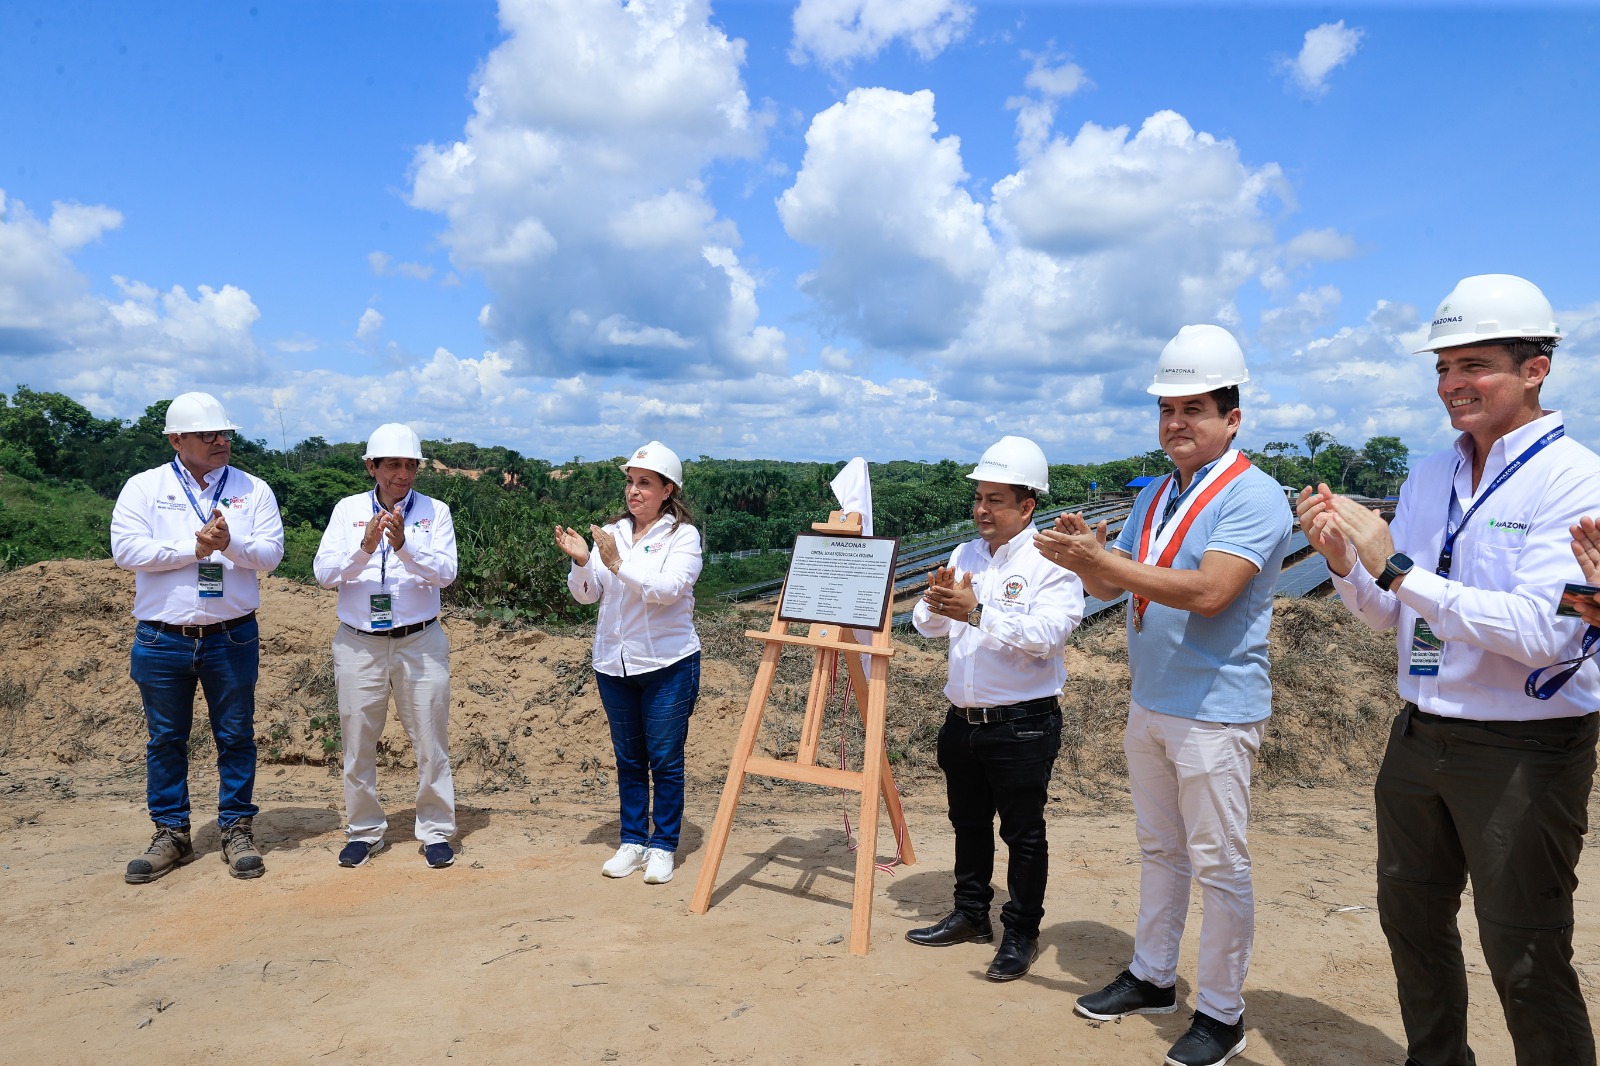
column 196, row 532
column 1007, row 615
column 1492, row 756
column 389, row 552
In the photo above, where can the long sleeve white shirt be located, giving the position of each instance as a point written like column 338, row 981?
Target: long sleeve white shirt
column 647, row 607
column 153, row 527
column 1495, row 613
column 413, row 573
column 1017, row 650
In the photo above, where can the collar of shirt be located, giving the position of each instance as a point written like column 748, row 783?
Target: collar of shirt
column 1003, row 554
column 659, row 530
column 211, row 477
column 1502, row 451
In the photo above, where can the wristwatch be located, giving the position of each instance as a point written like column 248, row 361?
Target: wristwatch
column 975, row 615
column 1395, row 567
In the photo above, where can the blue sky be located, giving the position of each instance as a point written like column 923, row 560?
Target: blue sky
column 895, row 228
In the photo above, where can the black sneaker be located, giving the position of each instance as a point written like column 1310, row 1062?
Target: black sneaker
column 1127, row 995
column 439, row 855
column 1208, row 1042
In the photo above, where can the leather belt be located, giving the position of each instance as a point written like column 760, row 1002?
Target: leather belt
column 393, row 634
column 1006, row 712
column 196, row 632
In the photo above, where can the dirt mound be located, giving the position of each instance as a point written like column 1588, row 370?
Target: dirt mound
column 527, row 719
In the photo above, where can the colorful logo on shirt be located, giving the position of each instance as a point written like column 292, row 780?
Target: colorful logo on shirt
column 1014, row 588
column 648, row 548
column 423, row 524
column 233, row 501
column 1509, row 527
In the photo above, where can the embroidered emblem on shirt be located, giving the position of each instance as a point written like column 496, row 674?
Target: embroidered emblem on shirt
column 1014, row 587
column 1508, row 527
column 233, row 501
column 423, row 524
column 648, row 548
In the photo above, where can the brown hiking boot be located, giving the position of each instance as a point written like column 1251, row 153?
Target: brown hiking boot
column 169, row 849
column 239, row 850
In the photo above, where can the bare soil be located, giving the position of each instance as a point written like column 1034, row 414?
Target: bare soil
column 521, row 952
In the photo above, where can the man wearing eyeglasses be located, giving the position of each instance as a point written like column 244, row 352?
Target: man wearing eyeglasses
column 196, row 532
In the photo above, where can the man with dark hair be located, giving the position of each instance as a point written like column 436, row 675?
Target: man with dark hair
column 1007, row 617
column 195, row 599
column 389, row 553
column 1200, row 553
column 1489, row 767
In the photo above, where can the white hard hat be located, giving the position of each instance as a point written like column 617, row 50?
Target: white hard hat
column 1492, row 307
column 660, row 458
column 394, row 440
column 196, row 412
column 1014, row 461
column 1199, row 359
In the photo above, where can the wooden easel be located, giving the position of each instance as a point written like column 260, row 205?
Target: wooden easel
column 875, row 777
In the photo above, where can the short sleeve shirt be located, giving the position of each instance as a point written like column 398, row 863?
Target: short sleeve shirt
column 1213, row 669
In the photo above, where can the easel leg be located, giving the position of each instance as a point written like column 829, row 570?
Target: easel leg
column 717, row 843
column 867, row 846
column 891, row 792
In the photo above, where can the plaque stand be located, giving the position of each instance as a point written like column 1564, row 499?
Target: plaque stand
column 875, row 777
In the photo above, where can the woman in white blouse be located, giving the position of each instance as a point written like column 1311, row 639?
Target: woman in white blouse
column 642, row 570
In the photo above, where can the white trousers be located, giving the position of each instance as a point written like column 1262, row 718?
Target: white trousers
column 416, row 670
column 1191, row 804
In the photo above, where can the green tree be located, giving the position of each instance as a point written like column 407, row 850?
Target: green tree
column 1386, row 461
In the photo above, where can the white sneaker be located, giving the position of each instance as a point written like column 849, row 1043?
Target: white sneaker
column 628, row 858
column 657, row 866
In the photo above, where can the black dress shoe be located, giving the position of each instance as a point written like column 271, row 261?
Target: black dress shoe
column 953, row 928
column 1014, row 958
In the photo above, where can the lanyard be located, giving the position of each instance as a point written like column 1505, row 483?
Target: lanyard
column 1238, row 466
column 1453, row 530
column 216, row 493
column 1552, row 686
column 383, row 555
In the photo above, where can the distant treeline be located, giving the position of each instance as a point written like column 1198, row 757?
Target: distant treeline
column 71, row 464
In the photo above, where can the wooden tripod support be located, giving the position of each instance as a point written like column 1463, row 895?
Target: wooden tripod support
column 874, row 779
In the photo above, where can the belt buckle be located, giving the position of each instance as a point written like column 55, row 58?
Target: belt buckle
column 199, row 631
column 983, row 716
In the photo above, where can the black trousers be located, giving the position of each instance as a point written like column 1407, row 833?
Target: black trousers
column 1002, row 768
column 1506, row 803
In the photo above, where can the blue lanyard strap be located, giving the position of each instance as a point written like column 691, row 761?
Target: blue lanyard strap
column 1447, row 551
column 383, row 555
column 1552, row 686
column 216, row 493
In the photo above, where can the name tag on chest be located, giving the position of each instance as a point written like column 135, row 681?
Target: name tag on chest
column 210, row 581
column 1427, row 650
column 381, row 611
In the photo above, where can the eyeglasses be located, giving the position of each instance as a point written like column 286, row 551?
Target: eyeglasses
column 211, row 436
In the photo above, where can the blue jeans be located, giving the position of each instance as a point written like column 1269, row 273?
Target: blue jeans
column 166, row 667
column 649, row 715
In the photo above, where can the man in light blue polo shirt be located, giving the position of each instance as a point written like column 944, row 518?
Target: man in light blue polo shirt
column 1200, row 555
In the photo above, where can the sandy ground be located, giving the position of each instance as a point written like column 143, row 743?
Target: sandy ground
column 521, row 952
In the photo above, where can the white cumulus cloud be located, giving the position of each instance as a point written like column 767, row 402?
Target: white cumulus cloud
column 371, row 322
column 904, row 248
column 839, row 32
column 1326, row 48
column 578, row 193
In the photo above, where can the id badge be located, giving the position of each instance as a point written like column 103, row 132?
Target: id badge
column 1426, row 651
column 381, row 611
column 210, row 581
